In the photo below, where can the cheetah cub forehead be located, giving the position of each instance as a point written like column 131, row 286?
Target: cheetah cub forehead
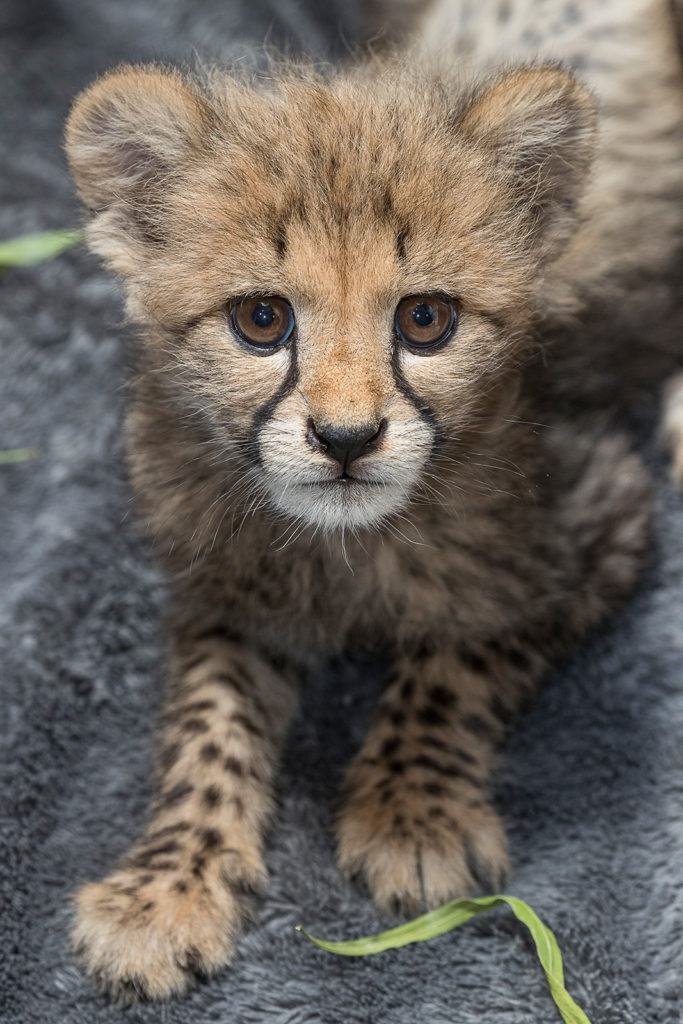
column 338, row 273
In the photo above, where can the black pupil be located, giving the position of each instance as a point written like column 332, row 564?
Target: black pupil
column 263, row 315
column 423, row 314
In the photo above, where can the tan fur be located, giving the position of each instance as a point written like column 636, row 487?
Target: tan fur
column 672, row 426
column 478, row 539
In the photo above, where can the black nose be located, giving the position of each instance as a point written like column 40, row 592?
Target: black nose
column 343, row 445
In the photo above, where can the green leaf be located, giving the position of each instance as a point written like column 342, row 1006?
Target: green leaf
column 456, row 913
column 18, row 455
column 29, row 249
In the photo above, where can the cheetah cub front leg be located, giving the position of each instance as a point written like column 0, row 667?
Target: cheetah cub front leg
column 172, row 908
column 417, row 824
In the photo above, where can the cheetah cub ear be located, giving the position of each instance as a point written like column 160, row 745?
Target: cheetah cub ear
column 127, row 136
column 539, row 126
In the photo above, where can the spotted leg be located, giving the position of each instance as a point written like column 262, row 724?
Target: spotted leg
column 417, row 824
column 175, row 903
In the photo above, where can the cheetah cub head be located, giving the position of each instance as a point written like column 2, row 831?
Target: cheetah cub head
column 337, row 273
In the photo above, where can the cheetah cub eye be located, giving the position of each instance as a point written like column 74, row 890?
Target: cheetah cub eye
column 425, row 323
column 265, row 323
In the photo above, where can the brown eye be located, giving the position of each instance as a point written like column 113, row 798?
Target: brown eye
column 265, row 322
column 425, row 321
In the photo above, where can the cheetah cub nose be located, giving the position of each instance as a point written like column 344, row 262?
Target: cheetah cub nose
column 344, row 445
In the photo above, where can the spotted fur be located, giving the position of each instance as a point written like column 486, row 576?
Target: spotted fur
column 483, row 534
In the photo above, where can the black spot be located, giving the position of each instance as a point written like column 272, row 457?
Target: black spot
column 435, row 789
column 519, row 660
column 169, row 756
column 145, row 879
column 473, row 661
column 194, row 661
column 477, row 725
column 215, row 632
column 279, row 239
column 425, row 740
column 180, row 885
column 429, row 715
column 386, row 796
column 211, row 796
column 465, row 756
column 389, row 748
column 399, row 821
column 407, row 689
column 198, row 705
column 231, row 764
column 238, row 804
column 168, row 830
column 228, row 679
column 397, row 718
column 147, row 857
column 384, row 203
column 427, row 648
column 195, row 725
column 396, row 767
column 209, row 752
column 247, row 724
column 424, row 761
column 191, row 960
column 148, row 906
column 210, row 838
column 441, row 696
column 436, row 812
column 176, row 795
column 197, row 865
column 165, row 865
column 499, row 709
column 401, row 239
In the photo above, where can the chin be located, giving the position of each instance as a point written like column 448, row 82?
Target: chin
column 338, row 505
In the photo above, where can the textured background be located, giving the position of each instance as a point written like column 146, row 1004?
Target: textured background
column 592, row 780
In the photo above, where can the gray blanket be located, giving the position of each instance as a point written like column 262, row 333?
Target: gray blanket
column 591, row 783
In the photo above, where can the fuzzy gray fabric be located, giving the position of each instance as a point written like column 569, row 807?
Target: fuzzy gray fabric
column 591, row 783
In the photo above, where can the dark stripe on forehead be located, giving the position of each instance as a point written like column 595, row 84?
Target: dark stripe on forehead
column 401, row 238
column 264, row 412
column 279, row 238
column 404, row 387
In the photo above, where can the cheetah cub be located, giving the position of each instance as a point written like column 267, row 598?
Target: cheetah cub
column 333, row 438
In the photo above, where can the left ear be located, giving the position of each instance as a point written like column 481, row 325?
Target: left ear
column 539, row 126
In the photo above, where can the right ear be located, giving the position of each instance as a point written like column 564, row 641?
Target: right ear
column 127, row 136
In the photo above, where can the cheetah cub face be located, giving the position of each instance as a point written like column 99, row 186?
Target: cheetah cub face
column 340, row 271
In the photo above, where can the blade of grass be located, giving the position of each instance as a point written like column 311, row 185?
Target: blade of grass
column 455, row 913
column 17, row 455
column 29, row 249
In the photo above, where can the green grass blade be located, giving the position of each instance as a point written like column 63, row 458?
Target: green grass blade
column 455, row 913
column 29, row 249
column 12, row 455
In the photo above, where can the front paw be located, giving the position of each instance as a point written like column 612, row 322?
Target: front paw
column 148, row 935
column 416, row 852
